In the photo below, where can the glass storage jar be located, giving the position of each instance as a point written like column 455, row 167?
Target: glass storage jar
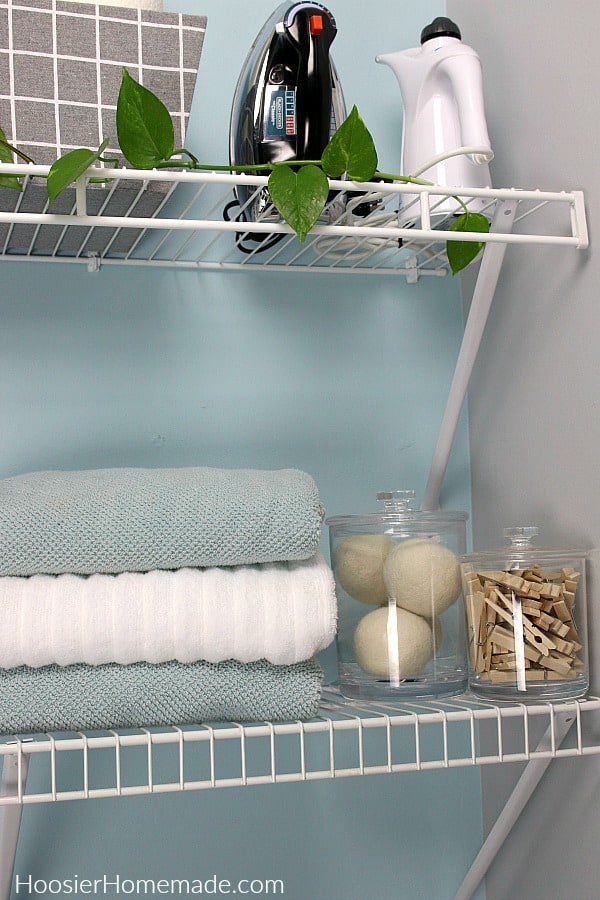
column 526, row 620
column 401, row 629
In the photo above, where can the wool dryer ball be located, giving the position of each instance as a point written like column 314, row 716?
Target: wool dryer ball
column 423, row 576
column 358, row 565
column 415, row 642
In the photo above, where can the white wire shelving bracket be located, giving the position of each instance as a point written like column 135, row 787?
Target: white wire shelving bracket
column 176, row 218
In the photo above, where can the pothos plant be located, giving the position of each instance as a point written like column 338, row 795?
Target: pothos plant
column 298, row 188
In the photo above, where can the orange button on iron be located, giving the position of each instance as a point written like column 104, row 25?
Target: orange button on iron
column 315, row 24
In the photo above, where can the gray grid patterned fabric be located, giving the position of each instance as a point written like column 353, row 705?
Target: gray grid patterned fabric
column 80, row 697
column 60, row 72
column 136, row 520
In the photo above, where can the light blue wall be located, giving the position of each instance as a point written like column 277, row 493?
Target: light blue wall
column 343, row 377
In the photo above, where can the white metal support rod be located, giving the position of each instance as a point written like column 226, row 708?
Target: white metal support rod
column 81, row 196
column 483, row 295
column 514, row 806
column 14, row 777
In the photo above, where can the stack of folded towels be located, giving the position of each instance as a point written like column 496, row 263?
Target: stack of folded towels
column 134, row 597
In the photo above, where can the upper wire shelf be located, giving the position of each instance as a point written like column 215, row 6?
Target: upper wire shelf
column 176, row 218
column 345, row 739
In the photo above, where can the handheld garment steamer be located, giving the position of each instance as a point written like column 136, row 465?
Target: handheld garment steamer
column 287, row 104
column 444, row 138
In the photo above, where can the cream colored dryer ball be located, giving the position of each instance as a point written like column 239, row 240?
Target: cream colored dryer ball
column 371, row 648
column 423, row 576
column 358, row 564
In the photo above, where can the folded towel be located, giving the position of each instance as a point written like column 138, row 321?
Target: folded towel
column 77, row 698
column 282, row 612
column 126, row 520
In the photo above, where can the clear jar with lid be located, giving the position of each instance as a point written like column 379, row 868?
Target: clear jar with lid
column 526, row 620
column 401, row 629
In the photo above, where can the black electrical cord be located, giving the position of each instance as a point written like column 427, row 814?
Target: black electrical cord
column 241, row 236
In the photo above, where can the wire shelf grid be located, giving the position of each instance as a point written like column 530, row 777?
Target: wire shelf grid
column 345, row 739
column 179, row 218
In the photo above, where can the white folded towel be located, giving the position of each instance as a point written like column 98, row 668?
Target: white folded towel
column 281, row 612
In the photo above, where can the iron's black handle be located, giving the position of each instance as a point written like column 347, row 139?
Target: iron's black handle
column 312, row 32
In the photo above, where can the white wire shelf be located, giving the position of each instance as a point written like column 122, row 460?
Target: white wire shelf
column 175, row 218
column 346, row 739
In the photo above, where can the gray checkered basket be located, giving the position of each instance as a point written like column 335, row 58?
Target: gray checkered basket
column 60, row 73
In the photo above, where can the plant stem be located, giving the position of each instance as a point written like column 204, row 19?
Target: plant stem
column 193, row 164
column 19, row 153
column 410, row 179
column 193, row 158
column 407, row 179
column 256, row 167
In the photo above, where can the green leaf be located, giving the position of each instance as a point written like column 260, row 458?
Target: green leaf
column 299, row 196
column 351, row 150
column 6, row 156
column 67, row 169
column 144, row 125
column 461, row 253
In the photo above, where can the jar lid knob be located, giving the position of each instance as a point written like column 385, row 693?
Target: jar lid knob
column 521, row 536
column 396, row 501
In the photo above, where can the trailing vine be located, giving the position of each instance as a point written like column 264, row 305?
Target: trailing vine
column 298, row 188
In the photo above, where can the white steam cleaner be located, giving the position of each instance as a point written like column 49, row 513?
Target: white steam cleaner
column 444, row 137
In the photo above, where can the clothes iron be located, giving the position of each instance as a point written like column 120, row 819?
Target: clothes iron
column 287, row 104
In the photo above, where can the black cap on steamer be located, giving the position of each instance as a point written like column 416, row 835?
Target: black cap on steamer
column 440, row 27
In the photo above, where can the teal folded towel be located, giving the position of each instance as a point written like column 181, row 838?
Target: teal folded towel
column 136, row 520
column 86, row 698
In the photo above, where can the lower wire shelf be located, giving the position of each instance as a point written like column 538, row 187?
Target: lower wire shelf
column 345, row 739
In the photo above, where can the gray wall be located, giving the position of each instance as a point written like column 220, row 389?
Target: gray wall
column 539, row 365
